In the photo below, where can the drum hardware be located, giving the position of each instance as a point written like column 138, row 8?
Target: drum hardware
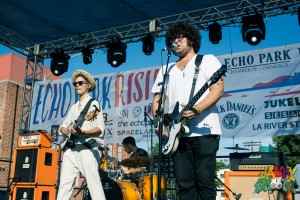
column 86, row 193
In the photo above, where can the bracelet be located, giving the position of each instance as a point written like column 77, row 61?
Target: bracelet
column 83, row 132
column 198, row 110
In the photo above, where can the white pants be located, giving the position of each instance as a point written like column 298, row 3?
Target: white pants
column 85, row 161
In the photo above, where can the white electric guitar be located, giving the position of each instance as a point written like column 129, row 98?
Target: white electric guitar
column 174, row 122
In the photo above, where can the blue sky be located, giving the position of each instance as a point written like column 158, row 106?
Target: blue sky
column 280, row 30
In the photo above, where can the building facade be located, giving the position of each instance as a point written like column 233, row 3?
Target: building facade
column 13, row 69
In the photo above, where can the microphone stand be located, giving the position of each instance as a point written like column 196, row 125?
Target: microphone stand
column 151, row 158
column 236, row 196
column 159, row 117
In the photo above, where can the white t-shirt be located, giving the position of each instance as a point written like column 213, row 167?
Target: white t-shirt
column 178, row 87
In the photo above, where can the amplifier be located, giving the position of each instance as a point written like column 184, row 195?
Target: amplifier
column 242, row 184
column 35, row 139
column 26, row 192
column 35, row 166
column 256, row 160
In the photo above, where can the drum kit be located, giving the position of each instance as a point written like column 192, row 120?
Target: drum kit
column 120, row 186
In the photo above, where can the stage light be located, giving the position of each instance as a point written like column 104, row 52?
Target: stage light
column 148, row 44
column 60, row 62
column 116, row 53
column 87, row 55
column 215, row 33
column 253, row 29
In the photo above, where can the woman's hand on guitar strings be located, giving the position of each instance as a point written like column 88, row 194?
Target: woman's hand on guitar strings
column 65, row 131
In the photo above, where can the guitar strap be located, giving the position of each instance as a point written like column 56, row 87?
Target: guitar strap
column 198, row 62
column 84, row 112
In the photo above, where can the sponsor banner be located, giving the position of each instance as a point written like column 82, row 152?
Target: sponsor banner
column 124, row 97
column 262, row 93
column 261, row 97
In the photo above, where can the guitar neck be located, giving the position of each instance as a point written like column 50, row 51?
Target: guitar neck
column 192, row 101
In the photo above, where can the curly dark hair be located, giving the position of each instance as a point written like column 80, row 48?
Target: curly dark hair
column 186, row 30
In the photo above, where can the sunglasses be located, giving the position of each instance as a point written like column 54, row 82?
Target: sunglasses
column 178, row 37
column 80, row 83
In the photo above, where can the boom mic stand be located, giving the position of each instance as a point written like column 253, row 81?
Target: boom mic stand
column 236, row 196
column 159, row 118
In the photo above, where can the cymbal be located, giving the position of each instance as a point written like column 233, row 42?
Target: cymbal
column 103, row 148
column 236, row 148
column 139, row 161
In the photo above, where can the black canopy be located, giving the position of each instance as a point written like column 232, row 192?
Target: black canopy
column 49, row 24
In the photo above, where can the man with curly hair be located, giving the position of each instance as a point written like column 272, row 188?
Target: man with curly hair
column 195, row 157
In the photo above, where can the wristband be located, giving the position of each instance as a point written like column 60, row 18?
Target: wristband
column 194, row 111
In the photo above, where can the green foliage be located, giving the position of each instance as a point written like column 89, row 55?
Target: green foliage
column 288, row 144
column 154, row 149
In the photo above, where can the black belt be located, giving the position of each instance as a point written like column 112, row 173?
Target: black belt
column 88, row 144
column 71, row 144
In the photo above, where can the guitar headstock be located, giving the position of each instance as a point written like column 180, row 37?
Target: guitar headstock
column 218, row 74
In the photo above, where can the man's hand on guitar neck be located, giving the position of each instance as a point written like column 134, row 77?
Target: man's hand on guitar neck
column 191, row 113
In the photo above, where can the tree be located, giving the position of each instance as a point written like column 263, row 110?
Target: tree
column 289, row 144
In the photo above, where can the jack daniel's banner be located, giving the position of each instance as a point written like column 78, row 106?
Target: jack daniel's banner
column 261, row 97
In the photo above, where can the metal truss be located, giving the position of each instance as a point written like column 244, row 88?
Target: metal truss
column 33, row 72
column 225, row 14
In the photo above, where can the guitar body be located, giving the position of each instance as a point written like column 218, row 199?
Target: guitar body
column 67, row 139
column 174, row 130
column 70, row 138
column 170, row 143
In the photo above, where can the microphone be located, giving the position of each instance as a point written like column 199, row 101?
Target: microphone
column 145, row 114
column 170, row 48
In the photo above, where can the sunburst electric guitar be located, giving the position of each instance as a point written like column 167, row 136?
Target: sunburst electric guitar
column 173, row 122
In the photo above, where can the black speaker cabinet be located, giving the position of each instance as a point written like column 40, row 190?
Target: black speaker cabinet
column 4, row 194
column 36, row 166
column 33, row 193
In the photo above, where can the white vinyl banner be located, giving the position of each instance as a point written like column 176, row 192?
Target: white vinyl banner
column 261, row 98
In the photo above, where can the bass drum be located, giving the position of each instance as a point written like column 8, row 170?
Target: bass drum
column 129, row 190
column 145, row 186
column 119, row 190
